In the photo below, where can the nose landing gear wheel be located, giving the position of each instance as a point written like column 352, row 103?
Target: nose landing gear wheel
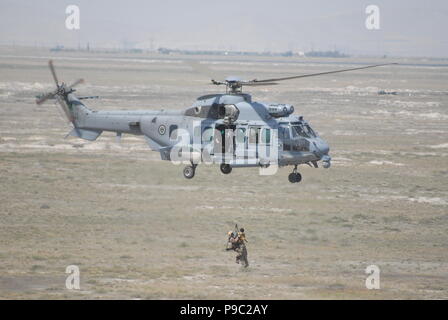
column 225, row 168
column 189, row 172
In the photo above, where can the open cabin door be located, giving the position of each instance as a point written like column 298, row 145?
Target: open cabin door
column 224, row 143
column 241, row 139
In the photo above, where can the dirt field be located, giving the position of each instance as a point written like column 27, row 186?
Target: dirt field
column 138, row 230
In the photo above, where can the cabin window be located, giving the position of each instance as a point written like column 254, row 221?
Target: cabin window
column 173, row 132
column 197, row 132
column 207, row 134
column 266, row 136
column 253, row 135
column 240, row 135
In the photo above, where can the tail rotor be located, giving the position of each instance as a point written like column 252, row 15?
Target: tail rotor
column 60, row 93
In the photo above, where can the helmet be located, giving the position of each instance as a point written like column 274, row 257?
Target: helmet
column 242, row 230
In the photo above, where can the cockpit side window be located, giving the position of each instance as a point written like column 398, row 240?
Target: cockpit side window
column 302, row 130
column 310, row 131
column 297, row 130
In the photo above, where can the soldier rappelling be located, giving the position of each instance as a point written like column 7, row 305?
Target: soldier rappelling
column 237, row 242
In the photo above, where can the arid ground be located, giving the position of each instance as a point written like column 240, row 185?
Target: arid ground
column 138, row 230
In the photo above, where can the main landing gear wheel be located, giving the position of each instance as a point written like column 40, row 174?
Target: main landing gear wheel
column 189, row 171
column 225, row 168
column 295, row 177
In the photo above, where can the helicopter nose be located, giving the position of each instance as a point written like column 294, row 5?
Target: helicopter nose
column 321, row 147
column 324, row 147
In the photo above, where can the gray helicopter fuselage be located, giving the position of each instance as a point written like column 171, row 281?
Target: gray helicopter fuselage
column 253, row 126
column 229, row 129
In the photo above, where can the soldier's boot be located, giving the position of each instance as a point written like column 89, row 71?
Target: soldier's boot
column 244, row 257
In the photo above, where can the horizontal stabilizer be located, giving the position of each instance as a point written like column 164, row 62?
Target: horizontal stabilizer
column 164, row 151
column 90, row 135
column 153, row 144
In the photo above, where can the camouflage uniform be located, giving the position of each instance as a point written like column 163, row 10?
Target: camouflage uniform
column 241, row 249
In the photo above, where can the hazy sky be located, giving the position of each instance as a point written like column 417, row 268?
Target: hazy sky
column 407, row 27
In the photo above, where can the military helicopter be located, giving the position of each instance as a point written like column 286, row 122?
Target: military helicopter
column 228, row 128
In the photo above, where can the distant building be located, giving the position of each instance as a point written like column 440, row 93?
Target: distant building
column 225, row 52
column 57, row 48
column 326, row 54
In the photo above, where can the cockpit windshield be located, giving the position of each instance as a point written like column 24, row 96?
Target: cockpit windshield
column 299, row 129
column 310, row 131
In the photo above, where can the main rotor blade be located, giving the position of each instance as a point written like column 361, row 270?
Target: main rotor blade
column 53, row 72
column 252, row 84
column 247, row 83
column 318, row 74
